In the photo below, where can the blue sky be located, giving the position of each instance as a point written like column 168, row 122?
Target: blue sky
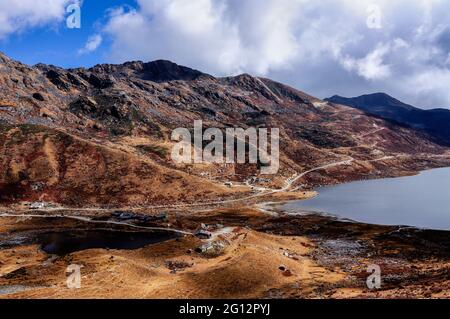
column 326, row 47
column 56, row 44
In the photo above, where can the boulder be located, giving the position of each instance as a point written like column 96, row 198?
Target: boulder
column 38, row 96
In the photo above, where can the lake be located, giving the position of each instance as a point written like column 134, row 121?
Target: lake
column 421, row 201
column 72, row 240
column 62, row 243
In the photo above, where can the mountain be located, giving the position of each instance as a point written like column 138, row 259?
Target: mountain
column 102, row 136
column 435, row 122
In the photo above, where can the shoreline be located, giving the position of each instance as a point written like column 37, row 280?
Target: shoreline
column 278, row 206
column 286, row 189
column 261, row 205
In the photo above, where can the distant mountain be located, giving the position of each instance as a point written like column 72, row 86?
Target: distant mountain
column 435, row 122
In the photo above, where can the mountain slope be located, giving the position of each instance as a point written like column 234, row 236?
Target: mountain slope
column 435, row 122
column 122, row 116
column 43, row 164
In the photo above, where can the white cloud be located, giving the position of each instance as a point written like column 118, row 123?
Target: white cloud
column 92, row 44
column 371, row 67
column 223, row 37
column 17, row 16
column 323, row 47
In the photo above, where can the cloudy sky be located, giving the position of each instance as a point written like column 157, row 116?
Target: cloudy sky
column 326, row 47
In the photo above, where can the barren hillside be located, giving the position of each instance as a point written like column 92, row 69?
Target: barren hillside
column 102, row 135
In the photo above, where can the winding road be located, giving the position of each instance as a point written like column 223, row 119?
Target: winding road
column 288, row 184
column 295, row 178
column 89, row 220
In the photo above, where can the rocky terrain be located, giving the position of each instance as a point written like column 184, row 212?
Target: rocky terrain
column 87, row 179
column 101, row 136
column 249, row 255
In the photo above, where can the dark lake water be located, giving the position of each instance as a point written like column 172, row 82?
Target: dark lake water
column 422, row 201
column 62, row 243
column 71, row 240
